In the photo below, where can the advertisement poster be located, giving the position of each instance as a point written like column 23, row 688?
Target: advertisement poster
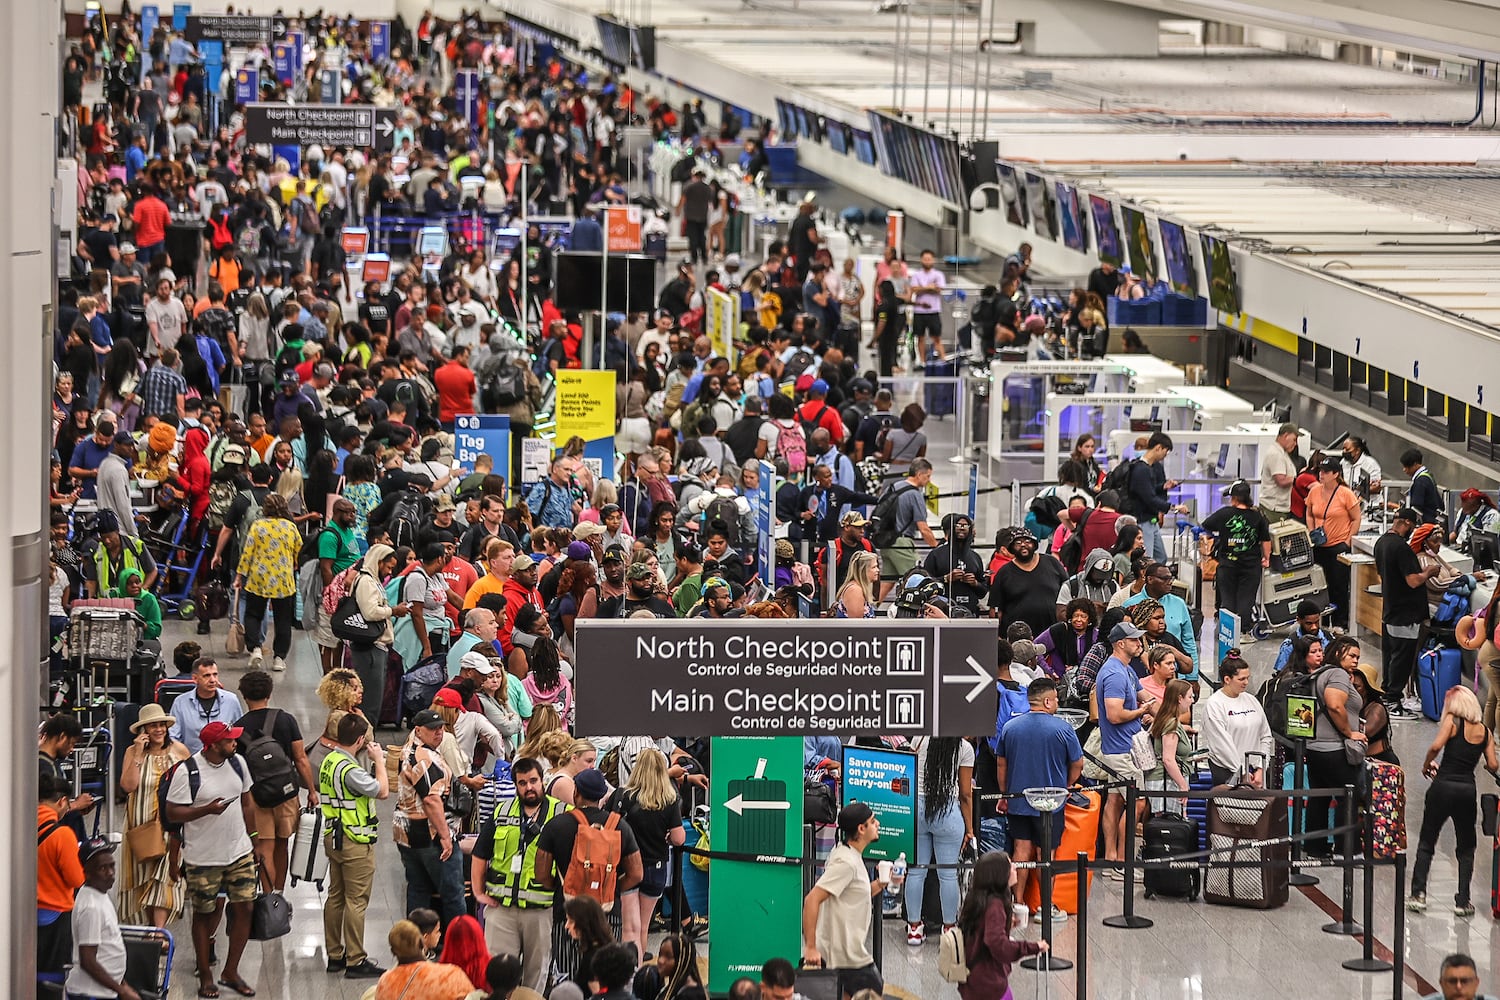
column 756, row 808
column 886, row 781
column 622, row 228
column 1301, row 716
column 246, row 85
column 380, row 41
column 476, row 434
column 1228, row 635
column 585, row 408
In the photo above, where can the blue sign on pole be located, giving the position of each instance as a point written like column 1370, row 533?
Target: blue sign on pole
column 1228, row 633
column 246, row 85
column 330, row 92
column 478, row 434
column 765, row 523
column 291, row 154
column 294, row 38
column 282, row 63
column 973, row 492
column 213, row 65
column 466, row 90
column 180, row 12
column 150, row 18
column 380, row 40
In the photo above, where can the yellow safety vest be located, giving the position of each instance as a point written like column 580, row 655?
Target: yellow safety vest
column 130, row 558
column 344, row 811
column 509, row 883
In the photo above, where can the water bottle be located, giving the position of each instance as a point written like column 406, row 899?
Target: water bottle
column 898, row 870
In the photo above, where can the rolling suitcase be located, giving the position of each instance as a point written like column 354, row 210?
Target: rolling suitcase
column 148, row 960
column 1167, row 835
column 308, row 862
column 1197, row 809
column 1386, row 797
column 1438, row 669
column 168, row 688
column 1236, row 826
column 940, row 399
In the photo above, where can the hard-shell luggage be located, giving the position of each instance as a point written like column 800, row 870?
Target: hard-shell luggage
column 940, row 399
column 1236, row 824
column 1080, row 833
column 1438, row 669
column 148, row 960
column 308, row 862
column 100, row 633
column 1386, row 800
column 1169, row 835
column 1197, row 809
column 168, row 688
column 390, row 703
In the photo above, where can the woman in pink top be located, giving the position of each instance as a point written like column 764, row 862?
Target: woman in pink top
column 1334, row 509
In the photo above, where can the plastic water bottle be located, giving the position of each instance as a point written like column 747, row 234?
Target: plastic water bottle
column 898, row 870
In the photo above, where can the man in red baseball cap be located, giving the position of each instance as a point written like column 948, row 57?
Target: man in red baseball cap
column 209, row 796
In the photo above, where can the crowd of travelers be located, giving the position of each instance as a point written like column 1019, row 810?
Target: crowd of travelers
column 272, row 429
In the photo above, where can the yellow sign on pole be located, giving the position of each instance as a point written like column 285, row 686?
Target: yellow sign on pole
column 721, row 322
column 585, row 404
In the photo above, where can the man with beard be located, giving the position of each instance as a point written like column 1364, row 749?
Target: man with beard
column 640, row 595
column 958, row 567
column 518, row 920
column 1024, row 589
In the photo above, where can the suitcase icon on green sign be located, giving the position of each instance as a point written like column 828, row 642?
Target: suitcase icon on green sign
column 757, row 814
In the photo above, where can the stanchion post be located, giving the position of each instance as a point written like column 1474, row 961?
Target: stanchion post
column 1367, row 962
column 1299, row 810
column 679, row 892
column 1046, row 962
column 1346, row 926
column 1128, row 920
column 1081, row 936
column 1398, row 936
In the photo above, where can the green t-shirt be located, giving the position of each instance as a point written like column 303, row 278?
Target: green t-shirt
column 688, row 594
column 338, row 543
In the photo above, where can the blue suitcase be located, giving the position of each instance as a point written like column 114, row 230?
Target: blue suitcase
column 940, row 399
column 1438, row 669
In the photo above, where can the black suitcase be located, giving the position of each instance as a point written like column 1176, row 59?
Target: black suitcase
column 940, row 398
column 1169, row 835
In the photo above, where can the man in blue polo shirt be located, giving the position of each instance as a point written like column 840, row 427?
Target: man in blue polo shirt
column 1117, row 689
column 1036, row 750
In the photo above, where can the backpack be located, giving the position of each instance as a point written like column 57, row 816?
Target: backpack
column 595, row 861
column 1046, row 508
column 884, row 530
column 340, row 587
column 1118, row 479
column 195, row 782
column 1071, row 553
column 808, row 426
column 219, row 227
column 724, row 509
column 1274, row 692
column 799, row 363
column 506, row 388
column 252, row 514
column 307, row 217
column 221, row 494
column 953, row 963
column 273, row 780
column 791, row 444
column 406, row 518
column 887, row 422
column 249, row 240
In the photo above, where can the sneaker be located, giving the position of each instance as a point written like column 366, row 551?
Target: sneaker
column 256, row 656
column 1058, row 915
column 916, row 935
column 1463, row 909
column 337, row 965
column 278, row 664
column 1247, row 639
column 364, row 970
column 1114, row 872
column 1417, row 902
column 1401, row 713
column 1411, row 704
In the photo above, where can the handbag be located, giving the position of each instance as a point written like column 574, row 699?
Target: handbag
column 234, row 642
column 271, row 917
column 349, row 623
column 1317, row 535
column 1355, row 752
column 818, row 805
column 147, row 842
column 1142, row 752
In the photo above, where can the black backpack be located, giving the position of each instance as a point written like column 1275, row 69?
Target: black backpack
column 1046, row 508
column 1071, row 554
column 1118, row 479
column 407, row 517
column 1274, row 692
column 799, row 363
column 273, row 779
column 808, row 426
column 309, row 550
column 883, row 527
column 724, row 510
column 506, row 387
column 195, row 782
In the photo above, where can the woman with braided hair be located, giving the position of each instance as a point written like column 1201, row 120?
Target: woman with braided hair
column 945, row 807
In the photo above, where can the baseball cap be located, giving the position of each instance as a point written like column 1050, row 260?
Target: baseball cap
column 234, row 454
column 445, row 502
column 580, row 550
column 427, row 719
column 477, row 662
column 585, row 530
column 216, row 731
column 127, row 247
column 1103, row 564
column 124, row 437
column 821, row 387
column 615, row 553
column 853, row 519
column 92, row 848
column 590, row 784
column 1471, row 495
column 290, row 377
column 733, row 260
column 1124, row 630
column 640, row 571
column 804, row 383
column 523, row 562
column 448, row 698
column 1239, row 490
column 1408, row 514
column 852, row 817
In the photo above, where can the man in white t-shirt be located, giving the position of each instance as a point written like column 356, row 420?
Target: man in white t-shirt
column 210, row 796
column 1278, row 471
column 166, row 317
column 836, row 913
column 98, row 947
column 927, row 284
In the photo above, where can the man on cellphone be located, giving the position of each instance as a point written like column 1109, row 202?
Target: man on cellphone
column 1122, row 713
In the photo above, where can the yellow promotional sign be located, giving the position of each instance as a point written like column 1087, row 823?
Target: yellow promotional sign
column 721, row 321
column 585, row 405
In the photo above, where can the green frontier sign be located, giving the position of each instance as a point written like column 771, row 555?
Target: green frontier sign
column 756, row 907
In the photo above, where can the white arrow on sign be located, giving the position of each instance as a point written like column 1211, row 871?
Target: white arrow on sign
column 979, row 678
column 738, row 805
column 386, row 127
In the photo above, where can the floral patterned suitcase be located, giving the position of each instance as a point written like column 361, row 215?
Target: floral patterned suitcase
column 1387, row 804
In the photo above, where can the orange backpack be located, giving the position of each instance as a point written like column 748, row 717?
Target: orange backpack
column 596, row 860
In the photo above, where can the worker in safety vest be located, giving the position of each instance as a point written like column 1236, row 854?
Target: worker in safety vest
column 519, row 916
column 113, row 554
column 347, row 794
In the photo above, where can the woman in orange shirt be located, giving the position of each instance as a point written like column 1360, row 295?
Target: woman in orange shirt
column 1333, row 509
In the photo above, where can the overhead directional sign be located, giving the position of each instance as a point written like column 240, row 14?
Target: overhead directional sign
column 763, row 677
column 231, row 29
column 361, row 125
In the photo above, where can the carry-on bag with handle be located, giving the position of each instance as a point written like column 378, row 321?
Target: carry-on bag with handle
column 1386, row 799
column 1237, row 825
column 308, row 862
column 1168, row 835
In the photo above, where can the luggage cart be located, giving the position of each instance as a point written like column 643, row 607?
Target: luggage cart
column 148, row 960
column 180, row 602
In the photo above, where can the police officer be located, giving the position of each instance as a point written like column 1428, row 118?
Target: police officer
column 519, row 920
column 347, row 793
